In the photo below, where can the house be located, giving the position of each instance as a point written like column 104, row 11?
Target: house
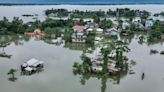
column 148, row 24
column 79, row 37
column 31, row 66
column 125, row 25
column 98, row 38
column 88, row 20
column 162, row 37
column 78, row 28
column 91, row 25
column 90, row 30
column 79, row 34
column 136, row 19
column 96, row 30
column 137, row 22
column 58, row 40
column 112, row 31
column 37, row 32
column 76, row 20
column 99, row 31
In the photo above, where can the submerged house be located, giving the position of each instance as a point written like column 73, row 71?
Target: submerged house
column 136, row 19
column 90, row 30
column 148, row 24
column 95, row 30
column 78, row 28
column 99, row 31
column 31, row 66
column 91, row 25
column 97, row 63
column 79, row 34
column 137, row 22
column 37, row 32
column 88, row 20
column 112, row 31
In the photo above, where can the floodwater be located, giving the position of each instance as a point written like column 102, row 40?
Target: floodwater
column 19, row 10
column 58, row 76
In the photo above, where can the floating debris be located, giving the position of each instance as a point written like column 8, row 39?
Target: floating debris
column 162, row 52
column 152, row 51
column 131, row 72
column 132, row 62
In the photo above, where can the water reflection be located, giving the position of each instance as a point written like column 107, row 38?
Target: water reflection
column 3, row 44
column 114, row 79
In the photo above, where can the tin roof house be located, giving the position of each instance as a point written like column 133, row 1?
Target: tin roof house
column 112, row 31
column 91, row 25
column 31, row 66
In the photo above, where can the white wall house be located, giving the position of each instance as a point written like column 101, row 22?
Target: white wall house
column 148, row 24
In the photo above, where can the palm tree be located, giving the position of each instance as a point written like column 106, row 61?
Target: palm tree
column 12, row 73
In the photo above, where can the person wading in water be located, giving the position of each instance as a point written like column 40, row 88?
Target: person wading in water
column 143, row 76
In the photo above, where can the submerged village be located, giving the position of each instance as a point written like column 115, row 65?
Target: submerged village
column 103, row 38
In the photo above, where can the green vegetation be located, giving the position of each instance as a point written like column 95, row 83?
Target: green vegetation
column 157, row 31
column 87, row 14
column 122, row 12
column 159, row 14
column 105, row 24
column 90, row 39
column 15, row 26
column 12, row 73
column 68, row 36
column 57, row 12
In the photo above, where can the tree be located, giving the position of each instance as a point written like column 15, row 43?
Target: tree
column 104, row 24
column 105, row 52
column 12, row 73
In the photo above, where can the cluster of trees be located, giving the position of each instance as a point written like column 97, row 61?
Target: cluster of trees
column 158, row 14
column 157, row 30
column 119, row 12
column 55, row 23
column 57, row 12
column 87, row 14
column 123, row 12
column 15, row 26
column 105, row 24
column 90, row 39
